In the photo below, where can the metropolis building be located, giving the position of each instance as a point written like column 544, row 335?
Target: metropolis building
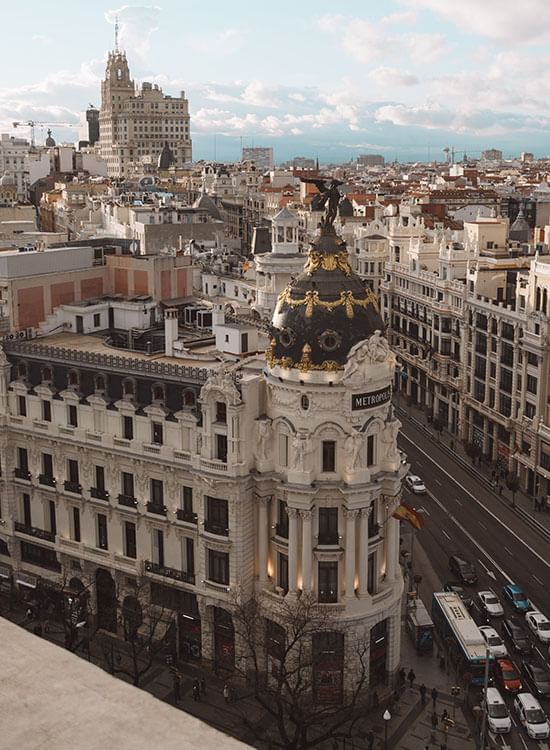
column 271, row 477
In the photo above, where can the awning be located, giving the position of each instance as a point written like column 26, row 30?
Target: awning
column 26, row 580
column 5, row 572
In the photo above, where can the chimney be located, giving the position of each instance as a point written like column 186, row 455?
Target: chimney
column 170, row 330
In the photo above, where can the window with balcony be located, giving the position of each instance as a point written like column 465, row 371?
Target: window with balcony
column 127, row 484
column 328, row 525
column 328, row 582
column 46, row 411
column 157, row 436
column 22, row 406
column 156, row 503
column 128, row 428
column 27, row 515
column 218, row 567
column 72, row 415
column 530, row 410
column 76, row 525
column 189, row 556
column 52, row 517
column 282, row 571
column 130, row 546
column 185, row 513
column 217, row 516
column 328, row 456
column 281, row 529
column 158, row 547
column 102, row 536
column 22, row 470
column 46, row 477
column 221, row 448
column 221, row 412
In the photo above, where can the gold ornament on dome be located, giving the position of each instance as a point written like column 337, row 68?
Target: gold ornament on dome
column 327, row 262
column 312, row 300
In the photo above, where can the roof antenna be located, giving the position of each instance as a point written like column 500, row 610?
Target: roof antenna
column 116, row 33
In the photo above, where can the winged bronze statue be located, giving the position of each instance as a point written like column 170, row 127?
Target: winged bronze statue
column 330, row 196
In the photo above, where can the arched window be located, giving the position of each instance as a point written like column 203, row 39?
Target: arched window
column 100, row 384
column 47, row 375
column 72, row 378
column 158, row 392
column 128, row 388
column 545, row 301
column 189, row 398
column 22, row 370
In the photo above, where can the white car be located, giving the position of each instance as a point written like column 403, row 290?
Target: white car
column 539, row 624
column 415, row 484
column 498, row 717
column 493, row 641
column 491, row 604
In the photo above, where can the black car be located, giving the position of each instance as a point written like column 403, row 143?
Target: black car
column 463, row 569
column 456, row 588
column 516, row 636
column 538, row 677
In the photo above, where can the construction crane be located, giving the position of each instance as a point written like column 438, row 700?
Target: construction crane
column 32, row 124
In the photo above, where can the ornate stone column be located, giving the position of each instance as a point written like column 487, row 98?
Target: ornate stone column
column 263, row 538
column 364, row 553
column 351, row 518
column 307, row 552
column 292, row 548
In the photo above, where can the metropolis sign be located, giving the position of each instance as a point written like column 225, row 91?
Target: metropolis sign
column 370, row 400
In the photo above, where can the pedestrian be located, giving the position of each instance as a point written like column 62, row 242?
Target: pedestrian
column 434, row 697
column 411, row 677
column 435, row 721
column 196, row 692
column 444, row 716
column 203, row 686
column 423, row 690
column 226, row 693
column 401, row 676
column 370, row 739
column 177, row 687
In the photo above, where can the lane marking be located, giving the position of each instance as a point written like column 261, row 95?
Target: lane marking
column 482, row 525
column 444, row 532
column 539, row 652
column 489, row 572
column 425, row 510
column 508, row 551
column 471, row 538
column 538, row 580
column 458, row 501
column 480, row 504
column 438, row 482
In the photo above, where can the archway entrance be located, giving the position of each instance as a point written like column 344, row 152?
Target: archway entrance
column 224, row 640
column 132, row 617
column 106, row 600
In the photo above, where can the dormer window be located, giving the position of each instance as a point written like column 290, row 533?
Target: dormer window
column 100, row 384
column 189, row 398
column 158, row 394
column 221, row 412
column 72, row 379
column 128, row 389
column 22, row 370
column 47, row 375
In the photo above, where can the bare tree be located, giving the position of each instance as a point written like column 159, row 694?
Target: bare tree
column 295, row 664
column 141, row 636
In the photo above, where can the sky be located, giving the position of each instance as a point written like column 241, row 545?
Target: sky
column 403, row 78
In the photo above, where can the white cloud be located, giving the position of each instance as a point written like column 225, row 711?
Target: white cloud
column 425, row 49
column 137, row 24
column 391, row 77
column 259, row 95
column 220, row 43
column 502, row 20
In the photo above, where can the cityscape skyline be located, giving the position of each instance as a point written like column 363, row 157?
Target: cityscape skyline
column 468, row 79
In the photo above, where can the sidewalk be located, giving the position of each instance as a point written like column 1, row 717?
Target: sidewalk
column 524, row 503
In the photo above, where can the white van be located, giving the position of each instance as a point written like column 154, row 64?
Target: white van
column 531, row 716
column 498, row 717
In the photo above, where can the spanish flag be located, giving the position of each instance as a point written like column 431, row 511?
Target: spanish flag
column 411, row 515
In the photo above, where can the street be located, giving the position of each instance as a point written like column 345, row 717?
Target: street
column 463, row 517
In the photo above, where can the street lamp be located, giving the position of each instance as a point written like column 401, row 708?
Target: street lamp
column 386, row 717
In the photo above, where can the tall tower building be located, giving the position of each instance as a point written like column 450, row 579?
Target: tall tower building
column 135, row 124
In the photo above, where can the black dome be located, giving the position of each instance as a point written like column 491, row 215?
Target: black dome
column 323, row 313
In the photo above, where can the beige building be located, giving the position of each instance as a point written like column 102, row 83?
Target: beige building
column 136, row 124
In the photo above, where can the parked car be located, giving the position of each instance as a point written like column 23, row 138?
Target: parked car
column 508, row 676
column 493, row 641
column 516, row 597
column 516, row 636
column 538, row 677
column 456, row 588
column 539, row 624
column 490, row 603
column 531, row 716
column 498, row 716
column 415, row 484
column 463, row 569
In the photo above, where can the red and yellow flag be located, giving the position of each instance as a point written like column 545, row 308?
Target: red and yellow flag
column 411, row 515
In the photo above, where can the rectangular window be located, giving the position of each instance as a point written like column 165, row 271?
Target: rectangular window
column 72, row 415
column 217, row 516
column 283, row 450
column 218, row 567
column 46, row 411
column 282, row 572
column 76, row 525
column 221, row 412
column 47, row 464
column 97, row 320
column 72, row 470
column 189, row 556
column 22, row 406
column 281, row 528
column 328, row 525
column 328, row 582
column 127, row 484
column 531, row 384
column 128, row 428
column 27, row 516
column 156, row 433
column 102, row 538
column 157, row 492
column 100, row 477
column 371, row 457
column 158, row 546
column 130, row 546
column 530, row 410
column 187, row 500
column 329, row 456
column 221, row 448
column 23, row 461
column 53, row 520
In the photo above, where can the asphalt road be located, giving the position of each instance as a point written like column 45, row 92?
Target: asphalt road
column 462, row 516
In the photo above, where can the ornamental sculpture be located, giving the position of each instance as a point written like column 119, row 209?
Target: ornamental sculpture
column 330, row 197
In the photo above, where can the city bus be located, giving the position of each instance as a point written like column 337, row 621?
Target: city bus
column 465, row 647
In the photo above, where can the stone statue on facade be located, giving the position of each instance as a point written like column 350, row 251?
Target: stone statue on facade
column 352, row 446
column 369, row 351
column 264, row 436
column 330, row 197
column 389, row 439
column 302, row 447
